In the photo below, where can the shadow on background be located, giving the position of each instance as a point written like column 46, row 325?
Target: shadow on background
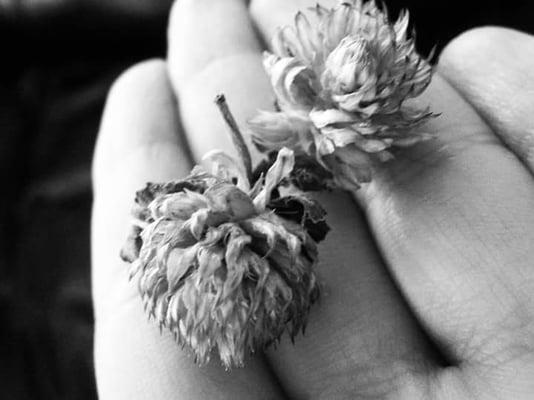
column 59, row 58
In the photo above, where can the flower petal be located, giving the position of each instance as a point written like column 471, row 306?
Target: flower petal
column 341, row 137
column 228, row 199
column 305, row 35
column 227, row 168
column 293, row 83
column 274, row 130
column 179, row 205
column 282, row 167
column 180, row 264
column 322, row 118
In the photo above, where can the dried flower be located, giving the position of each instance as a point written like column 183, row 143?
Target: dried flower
column 341, row 77
column 223, row 264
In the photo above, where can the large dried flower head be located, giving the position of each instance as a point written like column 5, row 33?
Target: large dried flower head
column 224, row 264
column 341, row 77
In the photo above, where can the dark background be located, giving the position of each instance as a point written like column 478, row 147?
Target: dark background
column 57, row 61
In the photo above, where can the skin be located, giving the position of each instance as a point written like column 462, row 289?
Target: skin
column 428, row 274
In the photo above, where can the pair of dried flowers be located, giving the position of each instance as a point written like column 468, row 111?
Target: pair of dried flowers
column 225, row 258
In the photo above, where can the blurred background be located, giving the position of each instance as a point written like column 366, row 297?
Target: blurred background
column 58, row 59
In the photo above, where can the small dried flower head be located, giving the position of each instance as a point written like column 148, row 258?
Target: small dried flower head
column 224, row 265
column 341, row 78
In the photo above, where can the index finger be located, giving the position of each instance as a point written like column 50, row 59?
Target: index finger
column 140, row 141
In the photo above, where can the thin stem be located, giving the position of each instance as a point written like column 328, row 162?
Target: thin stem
column 237, row 137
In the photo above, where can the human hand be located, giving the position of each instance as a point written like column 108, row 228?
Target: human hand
column 450, row 223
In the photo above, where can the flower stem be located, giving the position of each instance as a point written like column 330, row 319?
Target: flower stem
column 237, row 137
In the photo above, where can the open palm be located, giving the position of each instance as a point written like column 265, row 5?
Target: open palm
column 428, row 275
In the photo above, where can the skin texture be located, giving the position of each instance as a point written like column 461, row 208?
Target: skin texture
column 428, row 273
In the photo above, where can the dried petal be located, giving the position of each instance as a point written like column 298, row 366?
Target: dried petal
column 275, row 130
column 282, row 167
column 226, row 168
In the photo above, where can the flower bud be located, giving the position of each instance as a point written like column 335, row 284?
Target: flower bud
column 350, row 76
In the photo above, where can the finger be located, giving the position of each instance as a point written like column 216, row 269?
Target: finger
column 454, row 220
column 493, row 68
column 269, row 15
column 361, row 300
column 361, row 340
column 138, row 142
column 225, row 57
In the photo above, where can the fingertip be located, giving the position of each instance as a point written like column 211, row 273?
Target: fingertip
column 474, row 47
column 493, row 69
column 201, row 31
column 140, row 110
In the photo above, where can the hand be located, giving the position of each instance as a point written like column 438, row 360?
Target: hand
column 429, row 292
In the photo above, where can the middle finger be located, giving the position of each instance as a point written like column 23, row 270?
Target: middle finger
column 212, row 49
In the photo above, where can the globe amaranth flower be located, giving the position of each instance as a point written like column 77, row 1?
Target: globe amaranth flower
column 341, row 77
column 225, row 265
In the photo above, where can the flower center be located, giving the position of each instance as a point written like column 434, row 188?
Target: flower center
column 350, row 67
